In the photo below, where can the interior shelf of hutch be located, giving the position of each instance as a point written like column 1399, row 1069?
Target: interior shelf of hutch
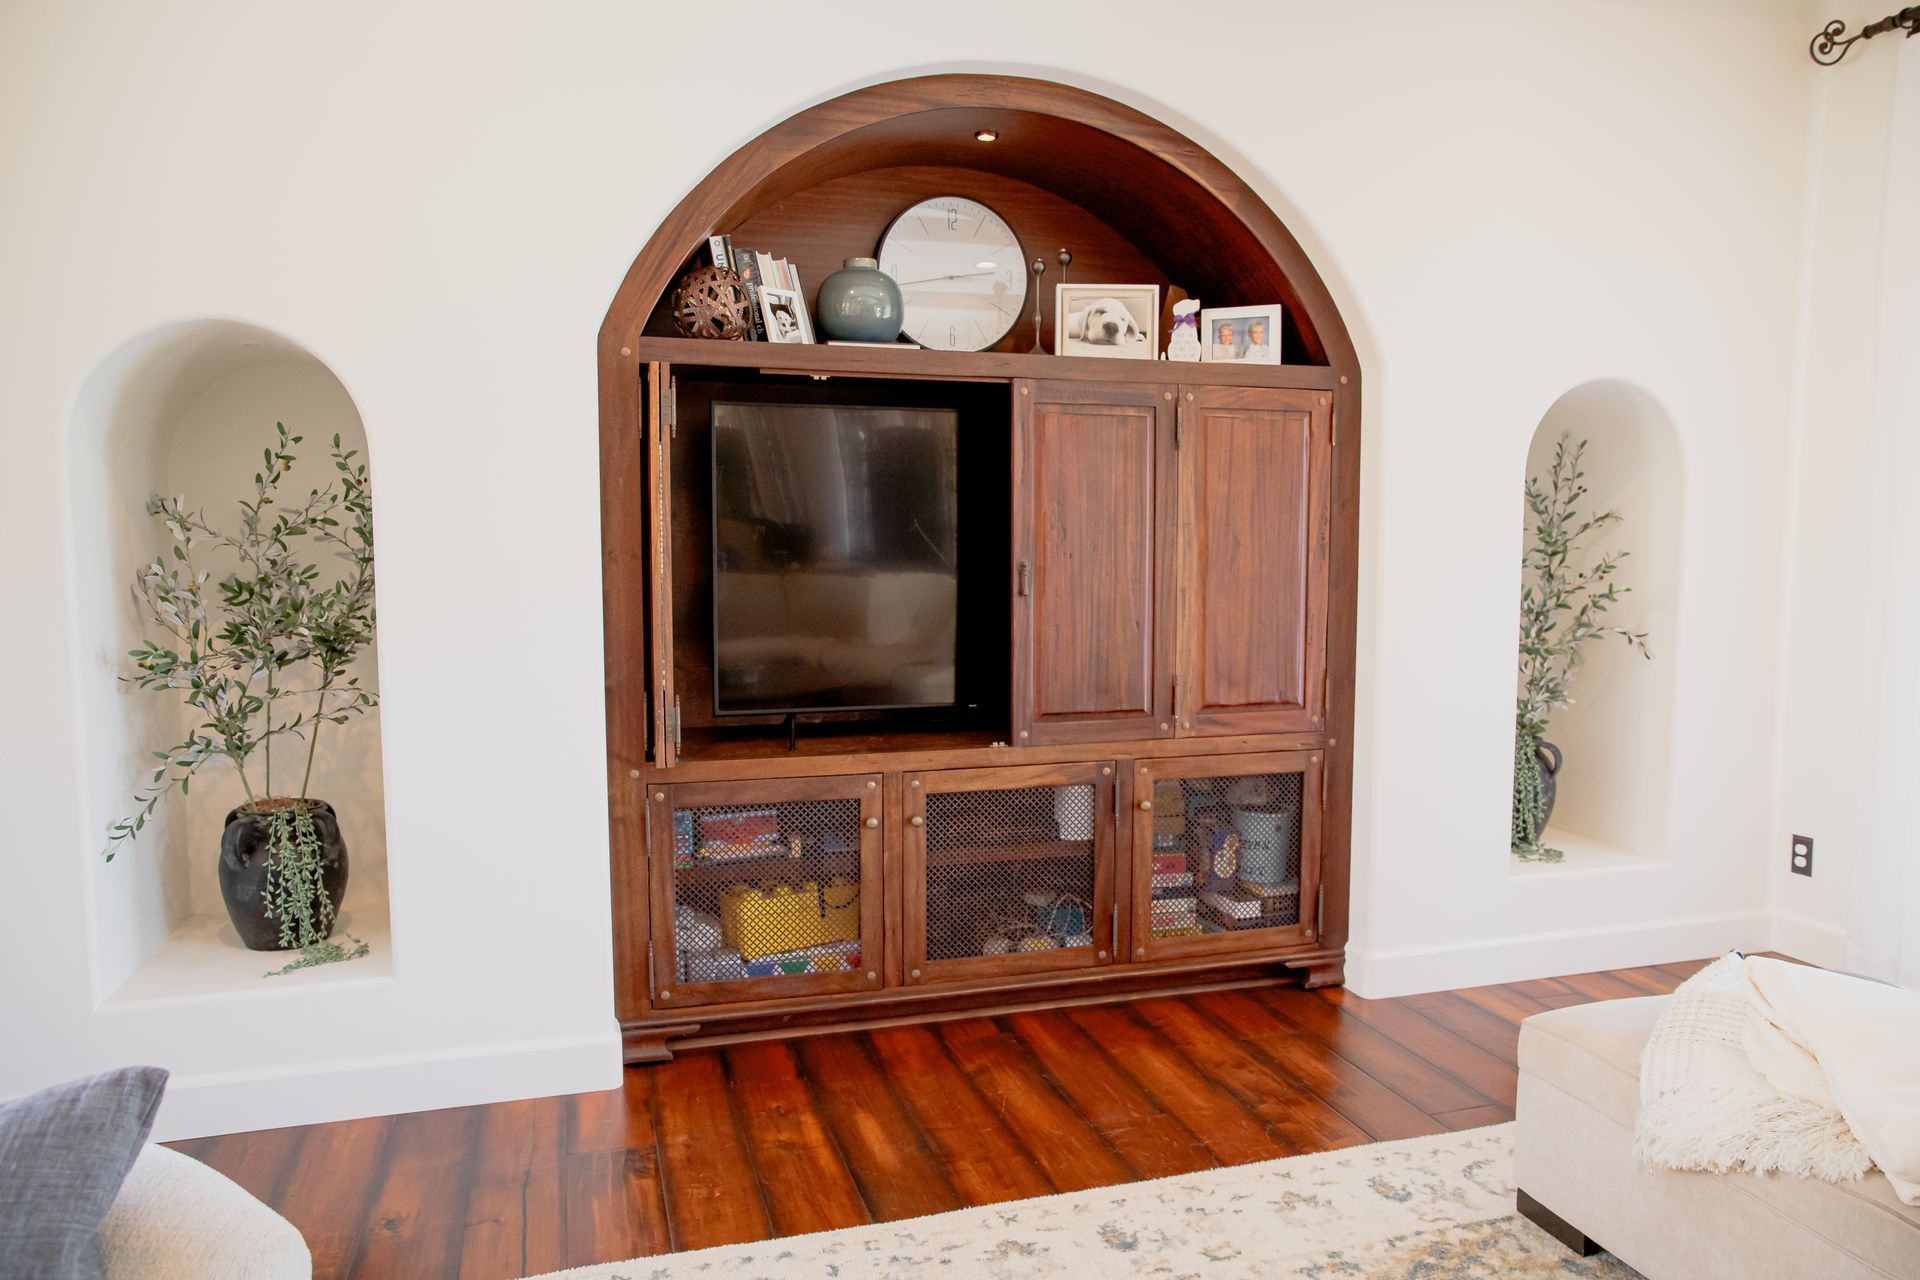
column 908, row 361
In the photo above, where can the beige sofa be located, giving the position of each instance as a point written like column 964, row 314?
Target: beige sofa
column 176, row 1219
column 1574, row 1167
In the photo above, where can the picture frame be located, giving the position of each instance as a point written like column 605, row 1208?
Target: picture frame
column 1107, row 321
column 1241, row 335
column 784, row 312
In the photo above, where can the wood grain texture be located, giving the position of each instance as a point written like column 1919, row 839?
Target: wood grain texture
column 1255, row 471
column 752, row 1141
column 1093, row 492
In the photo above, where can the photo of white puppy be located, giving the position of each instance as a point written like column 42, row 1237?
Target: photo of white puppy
column 1115, row 321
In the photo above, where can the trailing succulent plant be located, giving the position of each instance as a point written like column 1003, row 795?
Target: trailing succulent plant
column 265, row 653
column 1562, row 607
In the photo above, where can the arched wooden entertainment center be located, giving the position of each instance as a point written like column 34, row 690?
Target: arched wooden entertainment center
column 1156, row 604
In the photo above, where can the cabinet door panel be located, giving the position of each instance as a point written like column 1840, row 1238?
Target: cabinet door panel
column 1008, row 871
column 1093, row 494
column 1226, row 854
column 765, row 889
column 1254, row 527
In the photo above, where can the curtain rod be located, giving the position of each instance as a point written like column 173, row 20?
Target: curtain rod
column 1828, row 48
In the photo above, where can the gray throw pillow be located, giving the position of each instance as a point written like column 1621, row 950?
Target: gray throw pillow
column 63, row 1154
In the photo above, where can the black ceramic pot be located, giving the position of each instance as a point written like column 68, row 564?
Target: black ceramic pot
column 243, row 871
column 1549, row 757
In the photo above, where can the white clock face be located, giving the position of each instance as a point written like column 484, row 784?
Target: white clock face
column 962, row 276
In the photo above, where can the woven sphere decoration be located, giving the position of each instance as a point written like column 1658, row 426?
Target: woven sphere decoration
column 711, row 303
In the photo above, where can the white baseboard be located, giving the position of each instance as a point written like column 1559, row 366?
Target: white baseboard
column 1376, row 973
column 349, row 1088
column 1805, row 938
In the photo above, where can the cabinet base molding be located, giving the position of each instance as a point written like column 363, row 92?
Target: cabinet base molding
column 1329, row 970
column 649, row 1042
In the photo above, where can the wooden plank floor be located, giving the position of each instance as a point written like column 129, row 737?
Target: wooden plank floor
column 756, row 1141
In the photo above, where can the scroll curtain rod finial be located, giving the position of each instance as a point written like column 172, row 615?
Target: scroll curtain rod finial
column 1828, row 48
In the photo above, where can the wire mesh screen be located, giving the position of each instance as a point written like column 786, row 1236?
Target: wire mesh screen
column 766, row 890
column 1009, row 871
column 1226, row 854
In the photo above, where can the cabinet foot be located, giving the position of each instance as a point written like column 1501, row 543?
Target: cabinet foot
column 1321, row 971
column 640, row 1044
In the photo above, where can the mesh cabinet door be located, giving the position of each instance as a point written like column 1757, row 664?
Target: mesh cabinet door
column 765, row 890
column 1226, row 854
column 1008, row 871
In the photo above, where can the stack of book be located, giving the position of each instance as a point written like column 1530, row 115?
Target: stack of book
column 1174, row 911
column 778, row 304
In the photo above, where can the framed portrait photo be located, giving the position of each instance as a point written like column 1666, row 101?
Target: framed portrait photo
column 1114, row 321
column 1240, row 335
column 785, row 314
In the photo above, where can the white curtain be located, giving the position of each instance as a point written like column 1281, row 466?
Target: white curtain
column 1883, row 935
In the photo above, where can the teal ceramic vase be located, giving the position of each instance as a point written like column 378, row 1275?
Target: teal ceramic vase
column 859, row 303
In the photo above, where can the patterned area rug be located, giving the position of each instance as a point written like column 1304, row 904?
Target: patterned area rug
column 1436, row 1208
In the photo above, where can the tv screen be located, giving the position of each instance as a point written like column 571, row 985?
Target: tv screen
column 834, row 576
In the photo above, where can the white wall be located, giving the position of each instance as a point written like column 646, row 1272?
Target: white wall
column 438, row 200
column 1847, row 751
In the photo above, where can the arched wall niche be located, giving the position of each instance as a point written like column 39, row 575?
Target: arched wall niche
column 1617, row 737
column 1143, row 196
column 185, row 409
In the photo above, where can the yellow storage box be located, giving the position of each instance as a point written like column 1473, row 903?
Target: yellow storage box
column 771, row 918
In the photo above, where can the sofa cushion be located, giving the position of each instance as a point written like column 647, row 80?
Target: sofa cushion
column 1591, row 1053
column 176, row 1219
column 63, row 1154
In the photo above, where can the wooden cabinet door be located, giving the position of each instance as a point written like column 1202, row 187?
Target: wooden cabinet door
column 1255, row 467
column 1008, row 871
column 1226, row 854
column 1093, row 513
column 765, row 889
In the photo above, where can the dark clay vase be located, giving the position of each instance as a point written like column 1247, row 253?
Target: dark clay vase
column 243, row 872
column 1549, row 757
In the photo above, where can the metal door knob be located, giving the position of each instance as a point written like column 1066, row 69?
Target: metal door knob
column 917, row 820
column 873, row 822
column 1146, row 804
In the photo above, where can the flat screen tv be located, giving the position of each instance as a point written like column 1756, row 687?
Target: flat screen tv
column 834, row 565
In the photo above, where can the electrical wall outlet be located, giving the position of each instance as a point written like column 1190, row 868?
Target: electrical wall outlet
column 1801, row 860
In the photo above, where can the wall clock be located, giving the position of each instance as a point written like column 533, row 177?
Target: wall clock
column 961, row 272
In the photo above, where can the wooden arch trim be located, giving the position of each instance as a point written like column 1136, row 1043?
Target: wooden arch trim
column 1152, row 183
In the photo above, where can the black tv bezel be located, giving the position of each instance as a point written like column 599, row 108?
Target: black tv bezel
column 713, row 552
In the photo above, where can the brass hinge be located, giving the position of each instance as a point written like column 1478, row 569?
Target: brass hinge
column 1320, row 913
column 1114, row 946
column 651, row 988
column 646, row 818
column 1180, row 423
column 1023, row 581
column 1178, row 722
column 1323, row 787
column 1333, row 430
column 673, row 720
column 673, row 408
column 1116, row 802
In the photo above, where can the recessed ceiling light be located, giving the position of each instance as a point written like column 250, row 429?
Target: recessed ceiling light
column 986, row 266
column 985, row 135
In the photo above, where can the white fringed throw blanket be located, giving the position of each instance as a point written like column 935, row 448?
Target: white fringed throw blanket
column 1761, row 1065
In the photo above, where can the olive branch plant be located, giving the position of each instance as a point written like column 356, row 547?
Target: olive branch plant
column 1562, row 606
column 265, row 653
